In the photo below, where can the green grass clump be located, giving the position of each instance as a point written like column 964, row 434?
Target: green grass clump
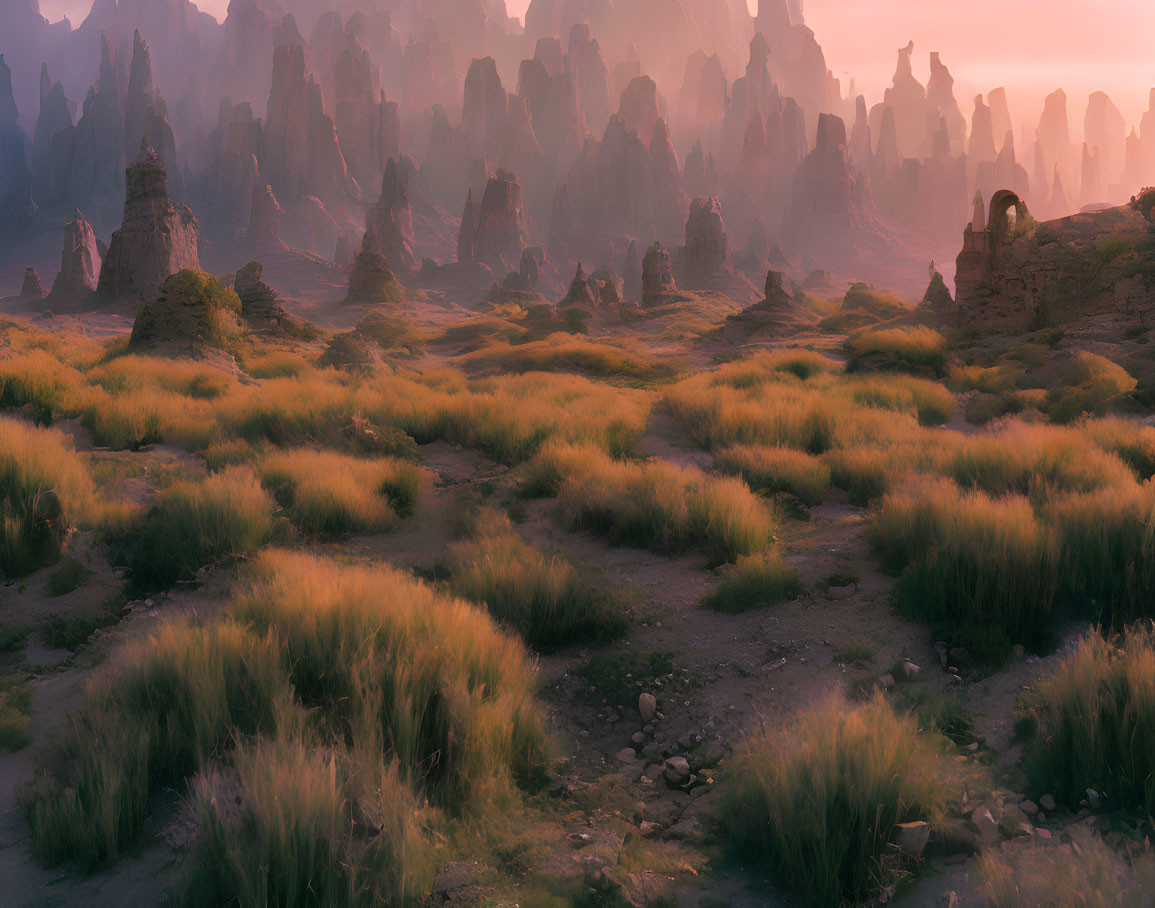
column 752, row 582
column 818, row 801
column 330, row 494
column 980, row 569
column 1094, row 717
column 192, row 308
column 917, row 349
column 1083, row 385
column 773, row 470
column 296, row 823
column 15, row 712
column 660, row 506
column 327, row 700
column 194, row 524
column 543, row 597
column 44, row 491
column 862, row 472
column 69, row 575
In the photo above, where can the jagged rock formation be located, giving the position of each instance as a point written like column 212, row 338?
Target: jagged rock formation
column 707, row 252
column 372, row 281
column 80, row 264
column 16, row 206
column 937, row 295
column 260, row 306
column 831, row 212
column 657, row 275
column 192, row 312
column 264, row 231
column 146, row 114
column 495, row 231
column 389, row 224
column 31, row 290
column 778, row 310
column 156, row 238
column 582, row 293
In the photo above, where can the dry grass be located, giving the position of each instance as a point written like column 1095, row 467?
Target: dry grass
column 331, row 494
column 818, row 800
column 352, row 692
column 754, row 581
column 566, row 353
column 543, row 597
column 658, row 505
column 916, row 349
column 773, row 470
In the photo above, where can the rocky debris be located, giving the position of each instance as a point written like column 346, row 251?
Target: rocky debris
column 937, row 295
column 156, row 238
column 193, row 311
column 984, row 822
column 31, row 290
column 657, row 275
column 707, row 251
column 778, row 311
column 912, row 838
column 1047, row 803
column 677, row 770
column 372, row 281
column 80, row 264
column 647, row 707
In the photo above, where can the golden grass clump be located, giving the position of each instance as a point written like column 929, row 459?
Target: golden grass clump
column 752, row 582
column 45, row 490
column 916, row 349
column 1094, row 722
column 773, row 470
column 51, row 389
column 328, row 700
column 195, row 523
column 567, row 353
column 819, row 800
column 661, row 506
column 329, row 494
column 150, row 415
column 543, row 597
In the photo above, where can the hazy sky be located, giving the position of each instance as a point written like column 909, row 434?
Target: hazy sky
column 1029, row 46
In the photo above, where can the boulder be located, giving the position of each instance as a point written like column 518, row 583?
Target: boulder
column 193, row 311
column 80, row 264
column 371, row 280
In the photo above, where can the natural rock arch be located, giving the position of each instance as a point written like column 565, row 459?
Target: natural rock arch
column 998, row 221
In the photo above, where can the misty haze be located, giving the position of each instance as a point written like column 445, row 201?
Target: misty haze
column 628, row 453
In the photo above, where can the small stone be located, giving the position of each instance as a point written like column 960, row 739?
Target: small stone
column 649, row 730
column 627, row 755
column 638, row 738
column 886, row 682
column 677, row 770
column 1093, row 799
column 910, row 671
column 971, row 748
column 1017, row 649
column 1047, row 802
column 912, row 838
column 1025, row 829
column 1043, row 833
column 1030, row 808
column 647, row 706
column 985, row 824
column 648, row 829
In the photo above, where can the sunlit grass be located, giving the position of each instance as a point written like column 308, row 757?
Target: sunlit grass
column 752, row 582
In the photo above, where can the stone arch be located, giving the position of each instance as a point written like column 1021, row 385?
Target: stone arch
column 998, row 222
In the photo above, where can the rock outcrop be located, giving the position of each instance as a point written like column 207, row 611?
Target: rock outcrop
column 657, row 275
column 260, row 306
column 389, row 224
column 501, row 235
column 776, row 312
column 156, row 238
column 937, row 295
column 192, row 312
column 372, row 281
column 15, row 161
column 707, row 253
column 31, row 291
column 80, row 264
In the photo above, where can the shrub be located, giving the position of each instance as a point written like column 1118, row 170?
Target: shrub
column 567, row 353
column 1129, row 440
column 331, row 494
column 752, row 582
column 37, row 380
column 819, row 800
column 916, row 349
column 863, row 472
column 978, row 568
column 69, row 575
column 773, row 470
column 1084, row 384
column 194, row 524
column 44, row 490
column 544, row 598
column 1095, row 721
column 15, row 712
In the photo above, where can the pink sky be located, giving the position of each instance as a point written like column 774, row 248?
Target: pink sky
column 1030, row 47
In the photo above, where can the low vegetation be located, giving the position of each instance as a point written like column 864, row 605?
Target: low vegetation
column 328, row 700
column 818, row 801
column 543, row 597
column 752, row 582
column 919, row 350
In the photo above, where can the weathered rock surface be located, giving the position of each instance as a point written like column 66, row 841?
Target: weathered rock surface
column 192, row 311
column 657, row 275
column 156, row 238
column 80, row 264
column 31, row 290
